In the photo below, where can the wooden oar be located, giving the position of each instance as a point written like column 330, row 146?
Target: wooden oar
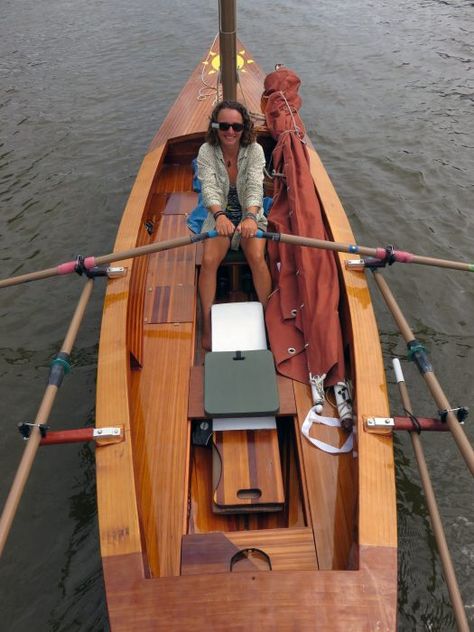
column 438, row 531
column 383, row 254
column 89, row 263
column 417, row 353
column 56, row 374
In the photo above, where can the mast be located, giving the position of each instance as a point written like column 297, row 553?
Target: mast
column 228, row 48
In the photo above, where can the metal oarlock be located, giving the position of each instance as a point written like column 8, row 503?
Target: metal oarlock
column 97, row 271
column 25, row 428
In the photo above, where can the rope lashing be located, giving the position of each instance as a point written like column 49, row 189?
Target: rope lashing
column 414, row 421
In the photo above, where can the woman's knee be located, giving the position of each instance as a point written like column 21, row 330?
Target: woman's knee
column 255, row 257
column 212, row 258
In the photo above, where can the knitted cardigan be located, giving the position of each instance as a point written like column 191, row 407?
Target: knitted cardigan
column 214, row 179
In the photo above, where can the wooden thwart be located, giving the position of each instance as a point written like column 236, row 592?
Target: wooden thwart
column 287, row 549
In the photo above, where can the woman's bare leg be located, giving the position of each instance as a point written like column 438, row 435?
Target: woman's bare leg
column 254, row 250
column 215, row 250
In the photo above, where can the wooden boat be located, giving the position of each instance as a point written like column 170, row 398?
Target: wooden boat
column 168, row 558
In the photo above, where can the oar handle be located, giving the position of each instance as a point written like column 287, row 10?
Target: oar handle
column 387, row 255
column 88, row 263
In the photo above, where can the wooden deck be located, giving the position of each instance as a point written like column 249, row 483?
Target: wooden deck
column 265, row 601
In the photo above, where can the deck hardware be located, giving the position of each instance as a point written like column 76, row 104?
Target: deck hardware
column 382, row 425
column 358, row 265
column 92, row 272
column 25, row 427
column 149, row 226
column 106, row 433
column 390, row 256
column 115, row 272
column 462, row 413
column 202, row 432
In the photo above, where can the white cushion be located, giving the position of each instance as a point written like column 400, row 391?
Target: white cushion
column 238, row 327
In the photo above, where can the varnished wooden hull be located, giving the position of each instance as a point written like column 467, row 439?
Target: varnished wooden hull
column 338, row 564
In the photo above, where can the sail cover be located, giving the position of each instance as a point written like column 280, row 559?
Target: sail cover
column 302, row 313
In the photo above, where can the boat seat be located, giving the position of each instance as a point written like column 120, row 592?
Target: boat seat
column 241, row 395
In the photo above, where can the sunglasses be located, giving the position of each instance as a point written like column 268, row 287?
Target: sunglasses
column 224, row 127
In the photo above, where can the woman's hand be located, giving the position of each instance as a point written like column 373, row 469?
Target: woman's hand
column 247, row 227
column 224, row 226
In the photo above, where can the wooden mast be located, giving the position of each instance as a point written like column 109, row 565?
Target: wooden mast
column 228, row 48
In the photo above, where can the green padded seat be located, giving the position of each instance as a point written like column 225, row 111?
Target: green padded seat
column 240, row 384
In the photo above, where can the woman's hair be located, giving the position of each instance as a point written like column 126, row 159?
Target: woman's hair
column 248, row 135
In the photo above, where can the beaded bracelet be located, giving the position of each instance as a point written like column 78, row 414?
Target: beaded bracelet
column 218, row 214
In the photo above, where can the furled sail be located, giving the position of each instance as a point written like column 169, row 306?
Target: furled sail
column 302, row 314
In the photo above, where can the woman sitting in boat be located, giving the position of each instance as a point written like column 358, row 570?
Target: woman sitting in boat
column 230, row 168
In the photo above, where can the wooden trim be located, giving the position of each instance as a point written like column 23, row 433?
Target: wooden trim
column 116, row 498
column 376, row 468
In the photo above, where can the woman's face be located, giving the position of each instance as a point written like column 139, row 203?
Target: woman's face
column 229, row 139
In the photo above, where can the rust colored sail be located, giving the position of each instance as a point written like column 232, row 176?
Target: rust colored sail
column 302, row 314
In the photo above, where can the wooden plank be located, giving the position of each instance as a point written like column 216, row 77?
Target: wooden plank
column 196, row 395
column 181, row 203
column 377, row 523
column 330, row 485
column 202, row 519
column 170, row 285
column 247, row 473
column 158, row 203
column 172, row 304
column 335, row 601
column 288, row 549
column 161, row 442
column 175, row 178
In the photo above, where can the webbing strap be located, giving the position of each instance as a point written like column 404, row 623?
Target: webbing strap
column 313, row 418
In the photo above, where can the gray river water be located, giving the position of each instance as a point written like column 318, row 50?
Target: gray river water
column 388, row 92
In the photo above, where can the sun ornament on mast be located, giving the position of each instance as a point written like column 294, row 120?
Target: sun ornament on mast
column 213, row 60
